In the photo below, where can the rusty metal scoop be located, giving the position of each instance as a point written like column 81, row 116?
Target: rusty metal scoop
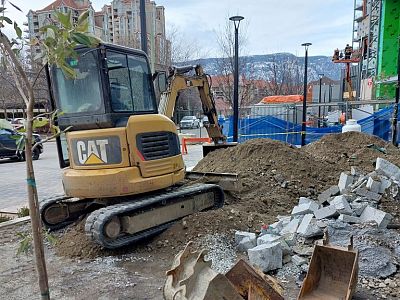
column 332, row 274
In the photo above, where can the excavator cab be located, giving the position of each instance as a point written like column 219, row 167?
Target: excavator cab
column 120, row 155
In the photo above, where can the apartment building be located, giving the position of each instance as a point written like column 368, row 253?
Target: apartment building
column 117, row 23
column 42, row 17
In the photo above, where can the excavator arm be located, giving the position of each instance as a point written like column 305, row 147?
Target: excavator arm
column 181, row 78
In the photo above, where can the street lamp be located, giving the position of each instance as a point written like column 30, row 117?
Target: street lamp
column 397, row 97
column 303, row 124
column 236, row 21
column 319, row 99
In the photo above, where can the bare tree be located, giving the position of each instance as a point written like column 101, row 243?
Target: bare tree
column 283, row 75
column 57, row 45
column 183, row 47
column 225, row 64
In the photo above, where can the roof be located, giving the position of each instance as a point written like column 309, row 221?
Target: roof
column 69, row 3
column 282, row 99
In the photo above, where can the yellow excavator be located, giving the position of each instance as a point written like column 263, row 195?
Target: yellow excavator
column 121, row 159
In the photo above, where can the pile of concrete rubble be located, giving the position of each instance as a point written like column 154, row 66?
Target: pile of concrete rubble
column 349, row 208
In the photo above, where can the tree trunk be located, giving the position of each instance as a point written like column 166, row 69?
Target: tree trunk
column 34, row 209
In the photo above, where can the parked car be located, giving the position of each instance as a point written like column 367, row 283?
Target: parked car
column 8, row 145
column 205, row 121
column 189, row 122
column 17, row 123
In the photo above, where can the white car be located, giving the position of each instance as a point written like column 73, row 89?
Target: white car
column 189, row 122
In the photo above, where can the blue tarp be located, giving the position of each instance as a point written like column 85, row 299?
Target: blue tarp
column 378, row 124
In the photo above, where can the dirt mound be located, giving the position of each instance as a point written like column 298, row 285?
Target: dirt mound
column 352, row 149
column 273, row 174
column 268, row 169
column 74, row 243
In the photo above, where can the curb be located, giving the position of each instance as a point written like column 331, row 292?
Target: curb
column 15, row 222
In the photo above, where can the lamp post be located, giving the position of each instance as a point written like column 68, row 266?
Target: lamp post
column 319, row 99
column 303, row 124
column 143, row 30
column 397, row 97
column 236, row 21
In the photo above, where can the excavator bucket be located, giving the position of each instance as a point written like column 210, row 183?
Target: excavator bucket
column 209, row 147
column 227, row 181
column 252, row 284
column 332, row 274
column 191, row 277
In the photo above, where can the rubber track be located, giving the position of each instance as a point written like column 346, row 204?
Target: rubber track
column 98, row 219
column 45, row 203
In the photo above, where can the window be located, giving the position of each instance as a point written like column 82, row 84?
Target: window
column 81, row 94
column 131, row 88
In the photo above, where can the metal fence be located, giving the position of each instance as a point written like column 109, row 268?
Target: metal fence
column 283, row 121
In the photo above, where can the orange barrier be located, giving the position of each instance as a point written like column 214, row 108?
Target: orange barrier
column 193, row 140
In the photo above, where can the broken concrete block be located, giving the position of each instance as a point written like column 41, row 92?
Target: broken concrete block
column 373, row 185
column 372, row 214
column 267, row 257
column 271, row 238
column 345, row 181
column 245, row 244
column 275, row 228
column 305, row 208
column 358, row 207
column 308, row 227
column 325, row 195
column 385, row 184
column 303, row 250
column 304, row 223
column 326, row 212
column 291, row 227
column 240, row 235
column 290, row 238
column 304, row 200
column 349, row 219
column 387, row 168
column 373, row 196
column 298, row 260
column 313, row 230
column 268, row 238
column 341, row 205
column 361, row 191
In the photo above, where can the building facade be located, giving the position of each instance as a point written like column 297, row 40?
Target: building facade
column 376, row 31
column 116, row 23
column 45, row 16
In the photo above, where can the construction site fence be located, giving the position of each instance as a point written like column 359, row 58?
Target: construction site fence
column 285, row 124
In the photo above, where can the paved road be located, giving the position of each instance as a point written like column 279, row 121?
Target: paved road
column 13, row 193
column 13, row 179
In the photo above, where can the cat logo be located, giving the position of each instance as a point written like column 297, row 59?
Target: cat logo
column 92, row 152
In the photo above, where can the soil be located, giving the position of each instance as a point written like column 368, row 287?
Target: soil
column 273, row 175
column 343, row 150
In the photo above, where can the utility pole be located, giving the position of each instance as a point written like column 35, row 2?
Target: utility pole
column 303, row 123
column 143, row 30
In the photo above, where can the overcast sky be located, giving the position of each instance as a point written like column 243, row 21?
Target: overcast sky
column 271, row 25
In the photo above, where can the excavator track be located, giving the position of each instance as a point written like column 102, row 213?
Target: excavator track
column 59, row 211
column 97, row 223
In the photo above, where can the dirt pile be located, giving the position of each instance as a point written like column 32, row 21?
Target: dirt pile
column 273, row 174
column 74, row 243
column 352, row 149
column 271, row 170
